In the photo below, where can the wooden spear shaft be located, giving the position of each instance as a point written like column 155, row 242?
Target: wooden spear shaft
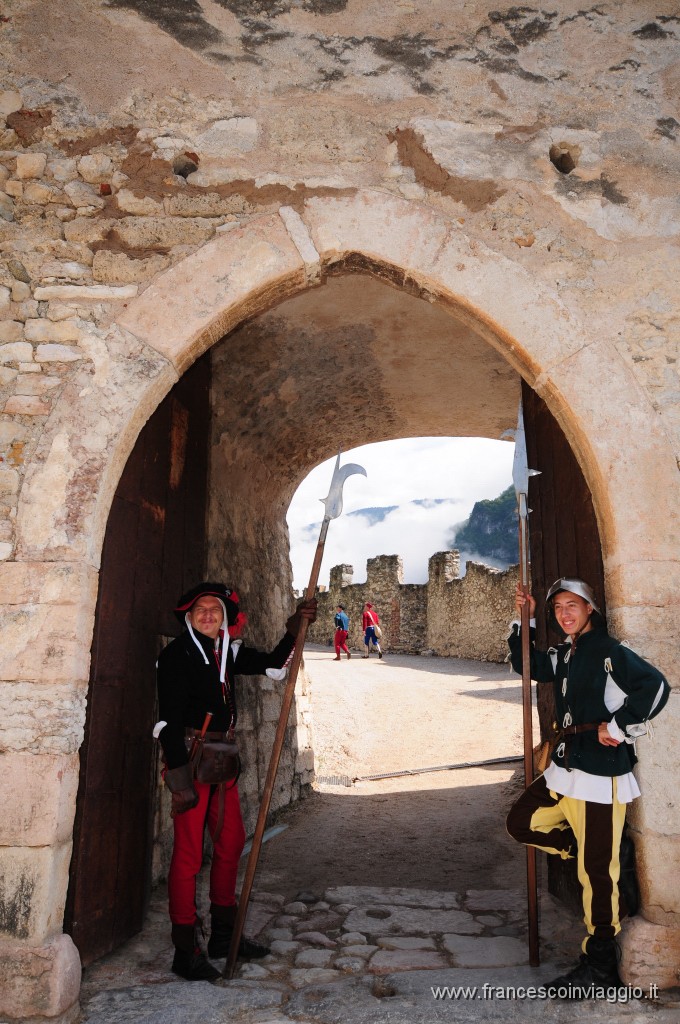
column 532, row 886
column 288, row 694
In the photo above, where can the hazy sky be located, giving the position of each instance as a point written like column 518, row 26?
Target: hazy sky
column 459, row 470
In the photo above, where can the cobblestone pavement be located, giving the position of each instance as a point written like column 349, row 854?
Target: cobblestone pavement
column 363, row 955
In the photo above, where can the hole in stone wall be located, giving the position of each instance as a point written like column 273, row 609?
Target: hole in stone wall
column 564, row 156
column 185, row 164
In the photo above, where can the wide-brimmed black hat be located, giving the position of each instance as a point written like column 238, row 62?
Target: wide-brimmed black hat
column 219, row 590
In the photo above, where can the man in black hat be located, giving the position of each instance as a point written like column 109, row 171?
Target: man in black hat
column 196, row 678
column 604, row 696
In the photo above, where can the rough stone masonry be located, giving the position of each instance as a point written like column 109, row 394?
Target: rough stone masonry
column 377, row 219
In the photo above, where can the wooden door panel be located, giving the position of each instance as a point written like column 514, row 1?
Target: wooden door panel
column 564, row 538
column 116, row 598
column 105, row 777
column 563, row 541
column 146, row 564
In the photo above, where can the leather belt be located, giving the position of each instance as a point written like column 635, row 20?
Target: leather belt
column 208, row 735
column 562, row 737
column 573, row 730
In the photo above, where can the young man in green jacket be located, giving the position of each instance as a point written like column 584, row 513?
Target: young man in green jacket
column 604, row 696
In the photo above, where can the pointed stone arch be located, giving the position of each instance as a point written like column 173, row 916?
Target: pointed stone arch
column 583, row 379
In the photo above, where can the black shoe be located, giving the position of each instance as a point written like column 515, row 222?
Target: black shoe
column 380, row 654
column 194, row 966
column 220, row 943
column 595, row 973
column 222, row 920
column 248, row 949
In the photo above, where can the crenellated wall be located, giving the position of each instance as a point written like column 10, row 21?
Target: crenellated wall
column 450, row 616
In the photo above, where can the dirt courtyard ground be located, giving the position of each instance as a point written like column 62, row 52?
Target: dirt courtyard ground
column 442, row 830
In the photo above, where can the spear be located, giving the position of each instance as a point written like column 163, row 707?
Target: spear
column 520, row 478
column 333, row 506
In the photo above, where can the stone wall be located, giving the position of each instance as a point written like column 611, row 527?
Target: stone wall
column 450, row 616
column 248, row 548
column 468, row 617
column 402, row 608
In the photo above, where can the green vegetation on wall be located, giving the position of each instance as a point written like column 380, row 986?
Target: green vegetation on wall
column 491, row 530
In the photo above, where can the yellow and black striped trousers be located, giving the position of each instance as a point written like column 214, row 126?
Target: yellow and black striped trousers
column 590, row 832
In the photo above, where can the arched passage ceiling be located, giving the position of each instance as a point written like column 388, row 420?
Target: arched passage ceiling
column 347, row 363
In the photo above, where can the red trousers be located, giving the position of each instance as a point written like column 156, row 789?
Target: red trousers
column 341, row 641
column 187, row 852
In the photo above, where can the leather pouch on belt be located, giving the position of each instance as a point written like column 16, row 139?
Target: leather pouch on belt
column 544, row 751
column 217, row 761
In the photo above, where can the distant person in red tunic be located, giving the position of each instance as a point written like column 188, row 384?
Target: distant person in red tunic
column 372, row 632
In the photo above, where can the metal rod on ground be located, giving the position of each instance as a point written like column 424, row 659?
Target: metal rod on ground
column 520, row 477
column 439, row 768
column 333, row 504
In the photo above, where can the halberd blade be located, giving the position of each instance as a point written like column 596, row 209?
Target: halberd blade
column 333, row 502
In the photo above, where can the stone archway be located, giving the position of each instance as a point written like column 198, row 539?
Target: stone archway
column 66, row 497
column 248, row 270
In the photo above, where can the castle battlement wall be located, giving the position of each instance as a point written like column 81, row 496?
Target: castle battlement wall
column 450, row 615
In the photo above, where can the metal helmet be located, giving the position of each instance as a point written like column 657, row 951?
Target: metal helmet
column 573, row 585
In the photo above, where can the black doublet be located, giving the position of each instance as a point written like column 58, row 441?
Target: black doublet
column 188, row 688
column 580, row 682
